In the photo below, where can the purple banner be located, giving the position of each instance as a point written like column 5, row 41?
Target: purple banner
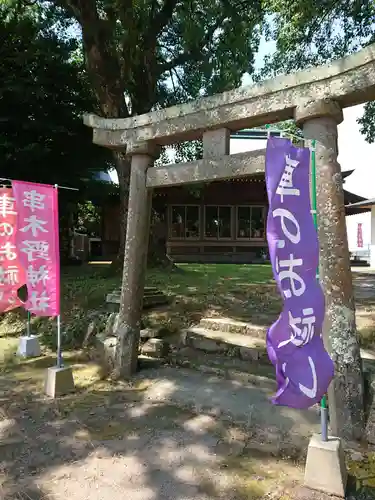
column 304, row 369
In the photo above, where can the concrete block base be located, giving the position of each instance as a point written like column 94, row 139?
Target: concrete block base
column 325, row 466
column 28, row 346
column 59, row 381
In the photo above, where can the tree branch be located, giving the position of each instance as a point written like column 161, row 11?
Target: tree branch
column 196, row 52
column 160, row 20
column 182, row 85
column 101, row 58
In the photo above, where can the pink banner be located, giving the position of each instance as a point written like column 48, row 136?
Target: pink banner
column 11, row 273
column 359, row 235
column 38, row 245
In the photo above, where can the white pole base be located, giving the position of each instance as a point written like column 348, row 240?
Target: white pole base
column 28, row 346
column 59, row 381
column 325, row 466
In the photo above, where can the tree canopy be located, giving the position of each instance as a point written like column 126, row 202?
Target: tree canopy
column 61, row 58
column 147, row 54
column 315, row 32
column 143, row 55
column 43, row 92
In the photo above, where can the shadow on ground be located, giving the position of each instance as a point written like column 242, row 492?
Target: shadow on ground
column 171, row 434
column 111, row 440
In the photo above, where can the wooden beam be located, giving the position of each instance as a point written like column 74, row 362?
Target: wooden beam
column 206, row 170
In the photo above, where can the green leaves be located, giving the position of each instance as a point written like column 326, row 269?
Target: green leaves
column 162, row 52
column 316, row 32
column 367, row 122
column 43, row 93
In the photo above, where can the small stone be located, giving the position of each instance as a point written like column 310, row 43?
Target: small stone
column 205, row 344
column 249, row 354
column 184, row 338
column 91, row 332
column 156, row 348
column 107, row 352
column 198, row 408
column 215, row 411
column 356, row 456
column 148, row 333
column 209, row 369
column 110, row 325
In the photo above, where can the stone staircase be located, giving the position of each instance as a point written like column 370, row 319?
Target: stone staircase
column 233, row 345
column 152, row 297
column 229, row 325
column 228, row 338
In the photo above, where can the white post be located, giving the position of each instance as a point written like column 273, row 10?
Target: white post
column 372, row 246
column 59, row 353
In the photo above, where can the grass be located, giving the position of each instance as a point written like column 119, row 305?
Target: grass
column 243, row 292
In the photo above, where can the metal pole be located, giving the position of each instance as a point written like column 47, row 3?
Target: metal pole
column 59, row 353
column 323, row 403
column 55, row 185
column 28, row 324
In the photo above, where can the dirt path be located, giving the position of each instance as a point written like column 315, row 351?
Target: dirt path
column 120, row 441
column 173, row 434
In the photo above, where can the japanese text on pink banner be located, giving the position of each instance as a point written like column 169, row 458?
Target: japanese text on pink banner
column 38, row 245
column 11, row 273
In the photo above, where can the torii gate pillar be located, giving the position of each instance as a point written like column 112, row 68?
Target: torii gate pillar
column 319, row 120
column 128, row 325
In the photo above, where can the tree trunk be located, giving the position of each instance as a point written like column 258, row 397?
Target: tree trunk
column 157, row 249
column 66, row 219
column 123, row 173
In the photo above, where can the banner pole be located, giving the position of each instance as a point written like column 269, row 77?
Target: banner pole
column 323, row 402
column 59, row 354
column 28, row 324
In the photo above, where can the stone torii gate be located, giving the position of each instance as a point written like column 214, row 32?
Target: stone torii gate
column 314, row 98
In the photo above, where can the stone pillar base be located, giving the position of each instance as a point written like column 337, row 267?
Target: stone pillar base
column 28, row 346
column 59, row 381
column 325, row 466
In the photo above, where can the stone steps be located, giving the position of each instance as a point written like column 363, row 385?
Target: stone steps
column 235, row 369
column 233, row 345
column 152, row 297
column 229, row 325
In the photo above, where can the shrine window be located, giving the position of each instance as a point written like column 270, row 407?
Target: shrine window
column 185, row 222
column 250, row 223
column 218, row 222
